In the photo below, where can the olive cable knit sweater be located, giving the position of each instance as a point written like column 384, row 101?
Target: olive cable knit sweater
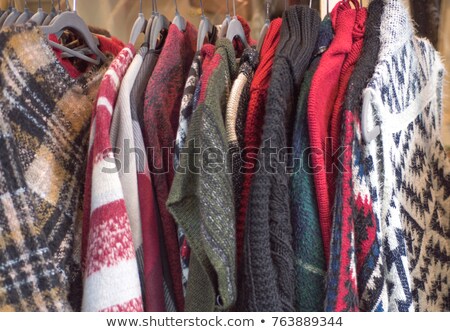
column 268, row 276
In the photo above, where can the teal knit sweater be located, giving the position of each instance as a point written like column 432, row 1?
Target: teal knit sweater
column 310, row 263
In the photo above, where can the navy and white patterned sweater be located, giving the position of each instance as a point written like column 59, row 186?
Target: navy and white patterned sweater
column 410, row 178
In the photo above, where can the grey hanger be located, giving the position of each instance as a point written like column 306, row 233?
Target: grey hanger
column 138, row 26
column 235, row 29
column 179, row 21
column 12, row 17
column 368, row 134
column 71, row 20
column 50, row 15
column 160, row 23
column 5, row 14
column 205, row 29
column 225, row 23
column 25, row 16
column 148, row 29
column 40, row 15
column 265, row 28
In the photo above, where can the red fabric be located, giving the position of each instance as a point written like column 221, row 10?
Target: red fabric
column 153, row 274
column 254, row 123
column 346, row 279
column 322, row 98
column 346, row 74
column 161, row 114
column 106, row 45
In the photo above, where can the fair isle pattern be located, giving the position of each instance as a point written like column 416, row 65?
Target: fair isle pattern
column 354, row 223
column 411, row 179
column 44, row 129
column 186, row 110
column 111, row 279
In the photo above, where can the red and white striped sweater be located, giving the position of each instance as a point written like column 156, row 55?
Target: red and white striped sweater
column 110, row 270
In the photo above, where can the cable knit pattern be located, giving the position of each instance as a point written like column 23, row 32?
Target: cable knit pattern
column 411, row 175
column 310, row 263
column 254, row 122
column 235, row 122
column 268, row 276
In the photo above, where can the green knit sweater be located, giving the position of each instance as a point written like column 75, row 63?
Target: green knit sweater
column 310, row 263
column 201, row 197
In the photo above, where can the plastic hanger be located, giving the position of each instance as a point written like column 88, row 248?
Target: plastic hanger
column 52, row 14
column 25, row 16
column 148, row 29
column 139, row 25
column 205, row 29
column 160, row 23
column 40, row 15
column 6, row 14
column 12, row 17
column 71, row 20
column 225, row 23
column 235, row 28
column 179, row 21
column 265, row 28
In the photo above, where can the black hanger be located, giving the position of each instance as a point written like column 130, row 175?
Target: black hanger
column 70, row 20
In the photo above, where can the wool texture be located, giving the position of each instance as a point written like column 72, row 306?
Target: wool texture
column 44, row 128
column 322, row 97
column 162, row 105
column 356, row 277
column 310, row 263
column 122, row 141
column 155, row 289
column 201, row 198
column 410, row 180
column 268, row 282
column 254, row 122
column 235, row 123
column 109, row 254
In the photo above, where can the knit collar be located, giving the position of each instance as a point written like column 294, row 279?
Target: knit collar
column 396, row 28
column 299, row 29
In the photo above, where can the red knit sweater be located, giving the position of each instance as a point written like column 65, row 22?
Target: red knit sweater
column 346, row 73
column 322, row 98
column 161, row 113
column 254, row 123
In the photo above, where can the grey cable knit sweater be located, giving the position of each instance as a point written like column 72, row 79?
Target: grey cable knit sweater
column 268, row 273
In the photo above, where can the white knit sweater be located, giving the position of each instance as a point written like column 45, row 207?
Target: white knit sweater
column 410, row 180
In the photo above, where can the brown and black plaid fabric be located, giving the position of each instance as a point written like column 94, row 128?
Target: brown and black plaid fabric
column 44, row 128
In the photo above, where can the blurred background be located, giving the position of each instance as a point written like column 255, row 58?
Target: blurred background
column 118, row 16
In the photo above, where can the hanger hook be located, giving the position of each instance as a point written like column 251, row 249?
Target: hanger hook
column 310, row 3
column 268, row 4
column 156, row 5
column 228, row 8
column 176, row 6
column 328, row 6
column 25, row 6
column 234, row 8
column 74, row 5
column 202, row 9
column 285, row 4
